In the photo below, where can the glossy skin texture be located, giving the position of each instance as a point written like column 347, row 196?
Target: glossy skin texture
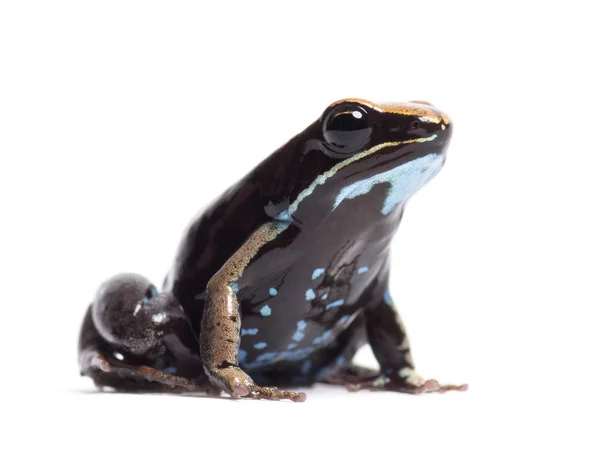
column 285, row 276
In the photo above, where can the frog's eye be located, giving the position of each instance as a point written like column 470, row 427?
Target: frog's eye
column 347, row 128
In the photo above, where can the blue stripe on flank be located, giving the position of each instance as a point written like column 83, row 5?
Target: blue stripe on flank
column 260, row 345
column 249, row 332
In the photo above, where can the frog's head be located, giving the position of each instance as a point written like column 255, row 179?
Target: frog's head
column 360, row 155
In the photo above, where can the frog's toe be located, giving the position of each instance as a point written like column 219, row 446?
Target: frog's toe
column 275, row 394
column 409, row 382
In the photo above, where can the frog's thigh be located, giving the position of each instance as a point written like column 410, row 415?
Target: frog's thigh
column 129, row 320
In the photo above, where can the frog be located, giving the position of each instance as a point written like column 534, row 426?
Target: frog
column 282, row 279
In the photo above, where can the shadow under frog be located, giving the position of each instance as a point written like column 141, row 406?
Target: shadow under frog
column 285, row 276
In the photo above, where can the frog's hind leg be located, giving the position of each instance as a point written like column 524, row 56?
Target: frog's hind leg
column 128, row 328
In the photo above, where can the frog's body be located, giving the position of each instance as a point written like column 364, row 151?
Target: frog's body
column 285, row 276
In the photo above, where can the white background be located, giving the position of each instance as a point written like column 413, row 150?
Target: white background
column 120, row 120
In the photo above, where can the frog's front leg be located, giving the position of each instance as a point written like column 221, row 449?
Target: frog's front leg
column 387, row 336
column 221, row 324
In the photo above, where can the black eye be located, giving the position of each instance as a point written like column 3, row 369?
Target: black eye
column 347, row 128
column 415, row 125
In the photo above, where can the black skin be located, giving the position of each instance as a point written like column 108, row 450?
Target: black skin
column 187, row 337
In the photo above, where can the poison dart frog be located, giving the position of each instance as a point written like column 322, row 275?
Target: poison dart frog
column 284, row 277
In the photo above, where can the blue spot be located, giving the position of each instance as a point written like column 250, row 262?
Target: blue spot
column 260, row 345
column 387, row 298
column 270, row 356
column 337, row 303
column 339, row 361
column 317, row 273
column 272, row 291
column 292, row 346
column 249, row 332
column 310, row 294
column 242, row 354
column 284, row 216
column 296, row 355
column 323, row 336
column 234, row 287
column 362, row 270
column 344, row 318
column 153, row 291
column 403, row 181
column 299, row 334
column 265, row 310
column 324, row 296
column 169, row 370
column 306, row 366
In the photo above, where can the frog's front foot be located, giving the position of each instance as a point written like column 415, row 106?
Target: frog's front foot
column 405, row 381
column 238, row 384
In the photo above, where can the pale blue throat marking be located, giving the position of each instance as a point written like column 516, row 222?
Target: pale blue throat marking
column 273, row 291
column 265, row 310
column 310, row 294
column 404, row 181
column 285, row 217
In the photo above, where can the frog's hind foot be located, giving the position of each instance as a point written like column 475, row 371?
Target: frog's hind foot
column 407, row 381
column 108, row 372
